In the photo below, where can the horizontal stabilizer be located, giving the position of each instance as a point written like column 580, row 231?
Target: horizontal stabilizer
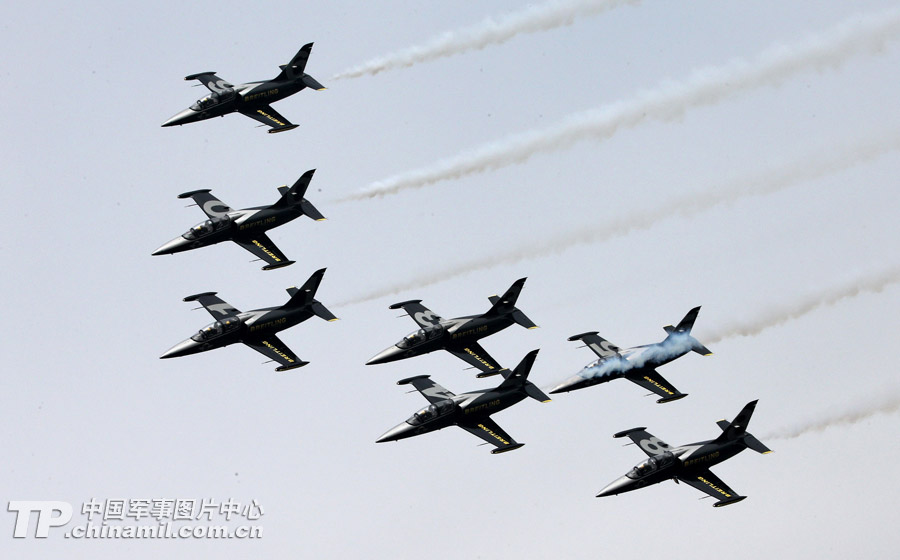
column 521, row 319
column 700, row 349
column 311, row 210
column 311, row 82
column 755, row 444
column 483, row 374
column 532, row 391
column 320, row 311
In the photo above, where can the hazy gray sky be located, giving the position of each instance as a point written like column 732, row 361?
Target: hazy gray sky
column 752, row 170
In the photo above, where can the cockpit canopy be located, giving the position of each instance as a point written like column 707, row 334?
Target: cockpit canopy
column 212, row 100
column 218, row 328
column 420, row 336
column 651, row 465
column 428, row 413
column 209, row 226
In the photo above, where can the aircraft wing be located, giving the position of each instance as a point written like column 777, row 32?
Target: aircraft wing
column 211, row 206
column 269, row 117
column 653, row 381
column 216, row 306
column 423, row 316
column 477, row 357
column 707, row 482
column 489, row 431
column 649, row 444
column 272, row 347
column 429, row 389
column 265, row 249
column 602, row 347
column 212, row 82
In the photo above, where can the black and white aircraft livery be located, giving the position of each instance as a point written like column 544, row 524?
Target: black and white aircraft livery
column 470, row 411
column 458, row 336
column 255, row 328
column 245, row 227
column 689, row 463
column 636, row 364
column 251, row 99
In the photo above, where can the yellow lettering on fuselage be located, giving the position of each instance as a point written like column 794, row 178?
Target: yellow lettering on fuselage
column 268, row 324
column 491, row 404
column 260, row 95
column 469, row 332
column 257, row 223
column 704, row 459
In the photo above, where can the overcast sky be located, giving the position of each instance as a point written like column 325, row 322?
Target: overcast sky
column 643, row 159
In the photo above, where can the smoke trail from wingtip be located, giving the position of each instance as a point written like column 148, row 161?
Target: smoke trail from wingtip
column 708, row 86
column 886, row 404
column 780, row 315
column 490, row 31
column 822, row 161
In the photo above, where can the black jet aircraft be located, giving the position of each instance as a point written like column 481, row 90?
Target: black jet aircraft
column 689, row 463
column 255, row 328
column 637, row 364
column 458, row 336
column 245, row 227
column 251, row 99
column 470, row 411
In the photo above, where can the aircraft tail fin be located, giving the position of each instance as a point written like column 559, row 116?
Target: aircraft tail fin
column 306, row 294
column 737, row 429
column 296, row 195
column 297, row 65
column 501, row 305
column 684, row 328
column 518, row 378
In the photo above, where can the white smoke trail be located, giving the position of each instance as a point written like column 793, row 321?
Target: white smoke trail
column 886, row 404
column 490, row 31
column 824, row 160
column 778, row 316
column 865, row 34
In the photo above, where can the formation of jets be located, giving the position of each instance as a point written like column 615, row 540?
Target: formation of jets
column 459, row 336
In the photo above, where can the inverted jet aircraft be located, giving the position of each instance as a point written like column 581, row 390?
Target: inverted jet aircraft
column 470, row 411
column 637, row 364
column 251, row 99
column 458, row 336
column 245, row 227
column 255, row 328
column 689, row 463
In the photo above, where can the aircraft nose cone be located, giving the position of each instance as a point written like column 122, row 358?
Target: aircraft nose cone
column 617, row 486
column 399, row 431
column 386, row 355
column 570, row 384
column 183, row 117
column 183, row 348
column 174, row 246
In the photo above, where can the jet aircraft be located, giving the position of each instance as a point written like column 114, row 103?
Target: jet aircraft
column 458, row 336
column 251, row 99
column 470, row 411
column 245, row 227
column 255, row 328
column 636, row 364
column 689, row 463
